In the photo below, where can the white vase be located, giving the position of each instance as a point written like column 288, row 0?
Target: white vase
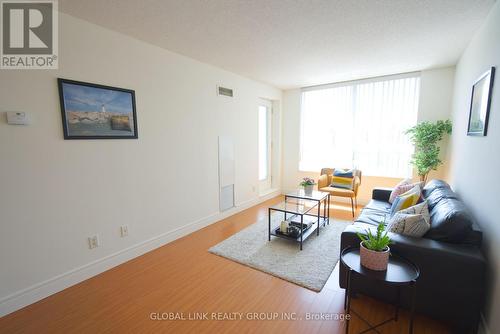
column 308, row 189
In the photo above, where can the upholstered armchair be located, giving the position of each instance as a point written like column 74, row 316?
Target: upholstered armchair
column 325, row 181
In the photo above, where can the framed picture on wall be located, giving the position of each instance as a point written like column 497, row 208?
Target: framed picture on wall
column 480, row 104
column 91, row 111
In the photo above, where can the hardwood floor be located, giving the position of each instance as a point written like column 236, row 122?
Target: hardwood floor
column 182, row 277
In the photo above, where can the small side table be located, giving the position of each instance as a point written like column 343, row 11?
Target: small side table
column 400, row 272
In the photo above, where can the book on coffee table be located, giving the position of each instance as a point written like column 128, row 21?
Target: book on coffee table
column 295, row 221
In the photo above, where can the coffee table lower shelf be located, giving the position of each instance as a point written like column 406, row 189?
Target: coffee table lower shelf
column 305, row 234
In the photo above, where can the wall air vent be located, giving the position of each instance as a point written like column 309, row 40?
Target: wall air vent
column 224, row 91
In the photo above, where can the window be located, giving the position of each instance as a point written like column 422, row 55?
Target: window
column 360, row 124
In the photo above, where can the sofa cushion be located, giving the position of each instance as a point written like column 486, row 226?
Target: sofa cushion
column 438, row 194
column 378, row 206
column 450, row 221
column 433, row 185
column 374, row 212
column 338, row 191
column 475, row 237
column 371, row 217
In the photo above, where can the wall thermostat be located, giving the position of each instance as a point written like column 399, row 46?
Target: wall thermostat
column 17, row 118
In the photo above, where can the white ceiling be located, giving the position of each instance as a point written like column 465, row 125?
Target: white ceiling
column 294, row 43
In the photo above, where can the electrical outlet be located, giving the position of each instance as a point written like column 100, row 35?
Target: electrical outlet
column 94, row 241
column 124, row 231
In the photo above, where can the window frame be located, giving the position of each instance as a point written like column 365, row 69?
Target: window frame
column 352, row 83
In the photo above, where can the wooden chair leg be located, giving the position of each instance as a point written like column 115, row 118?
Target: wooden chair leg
column 352, row 207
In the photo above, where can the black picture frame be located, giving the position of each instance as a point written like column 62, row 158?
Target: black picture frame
column 114, row 131
column 478, row 124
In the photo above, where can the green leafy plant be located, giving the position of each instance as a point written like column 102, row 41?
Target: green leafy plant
column 425, row 136
column 376, row 242
column 307, row 182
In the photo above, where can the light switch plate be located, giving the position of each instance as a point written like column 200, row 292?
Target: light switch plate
column 18, row 118
column 94, row 241
column 124, row 231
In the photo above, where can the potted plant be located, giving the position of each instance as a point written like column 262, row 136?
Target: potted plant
column 425, row 136
column 374, row 248
column 308, row 185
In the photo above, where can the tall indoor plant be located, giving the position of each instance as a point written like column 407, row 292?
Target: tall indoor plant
column 425, row 136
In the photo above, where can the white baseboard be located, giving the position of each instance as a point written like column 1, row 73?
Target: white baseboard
column 41, row 290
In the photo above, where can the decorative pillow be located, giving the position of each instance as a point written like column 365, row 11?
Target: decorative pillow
column 408, row 224
column 403, row 187
column 344, row 173
column 419, row 209
column 413, row 221
column 409, row 198
column 341, row 182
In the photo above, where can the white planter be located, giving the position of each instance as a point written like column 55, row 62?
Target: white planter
column 372, row 259
column 309, row 189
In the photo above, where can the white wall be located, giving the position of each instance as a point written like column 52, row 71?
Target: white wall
column 475, row 160
column 55, row 193
column 291, row 140
column 436, row 92
column 435, row 103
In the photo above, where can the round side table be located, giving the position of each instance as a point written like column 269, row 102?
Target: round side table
column 400, row 272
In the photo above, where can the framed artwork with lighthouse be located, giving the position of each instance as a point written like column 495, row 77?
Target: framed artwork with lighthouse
column 91, row 111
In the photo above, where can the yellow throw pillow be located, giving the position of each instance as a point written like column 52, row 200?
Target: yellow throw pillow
column 341, row 182
column 404, row 201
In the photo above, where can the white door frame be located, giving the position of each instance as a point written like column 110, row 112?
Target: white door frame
column 266, row 183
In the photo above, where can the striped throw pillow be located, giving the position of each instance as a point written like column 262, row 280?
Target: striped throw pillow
column 341, row 182
column 409, row 198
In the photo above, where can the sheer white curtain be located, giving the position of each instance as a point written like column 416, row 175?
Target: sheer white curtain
column 360, row 124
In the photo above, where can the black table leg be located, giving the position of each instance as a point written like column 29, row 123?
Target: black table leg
column 301, row 229
column 319, row 212
column 269, row 221
column 396, row 316
column 348, row 299
column 328, row 211
column 324, row 211
column 413, row 297
column 345, row 300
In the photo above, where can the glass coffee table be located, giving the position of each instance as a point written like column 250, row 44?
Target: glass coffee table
column 302, row 210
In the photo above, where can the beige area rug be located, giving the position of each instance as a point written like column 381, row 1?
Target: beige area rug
column 282, row 258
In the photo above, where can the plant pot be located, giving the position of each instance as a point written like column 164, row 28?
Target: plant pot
column 309, row 189
column 372, row 259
